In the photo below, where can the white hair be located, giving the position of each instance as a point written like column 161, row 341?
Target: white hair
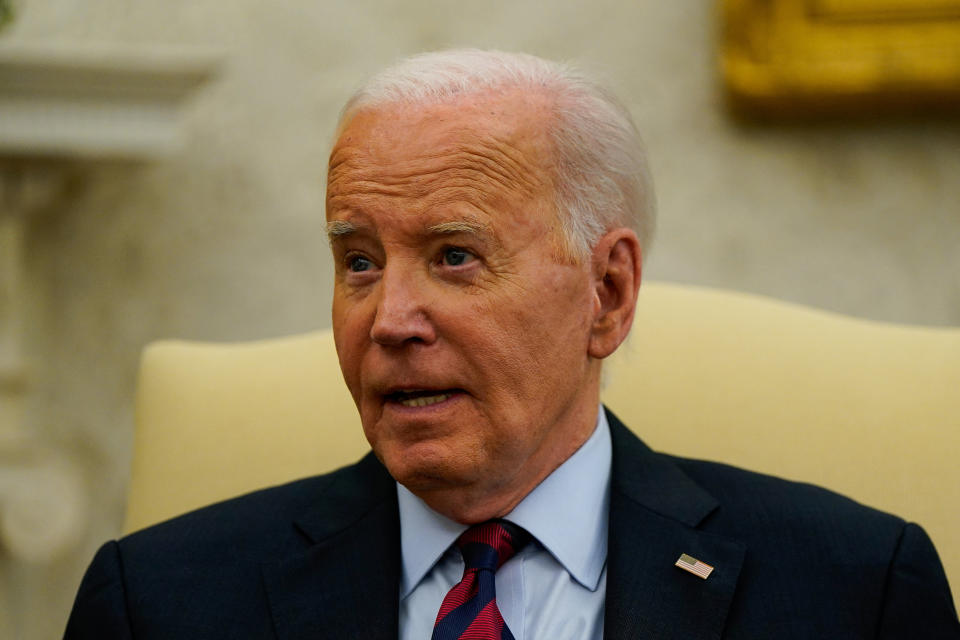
column 602, row 177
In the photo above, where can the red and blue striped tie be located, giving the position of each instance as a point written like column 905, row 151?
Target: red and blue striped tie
column 469, row 611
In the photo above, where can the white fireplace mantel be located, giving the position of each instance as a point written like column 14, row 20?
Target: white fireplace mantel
column 64, row 106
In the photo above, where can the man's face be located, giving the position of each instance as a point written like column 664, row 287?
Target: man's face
column 461, row 332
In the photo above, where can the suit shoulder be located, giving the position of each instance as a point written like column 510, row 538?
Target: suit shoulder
column 809, row 548
column 731, row 484
column 749, row 499
column 168, row 580
column 250, row 518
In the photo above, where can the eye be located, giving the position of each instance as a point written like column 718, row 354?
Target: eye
column 456, row 256
column 357, row 264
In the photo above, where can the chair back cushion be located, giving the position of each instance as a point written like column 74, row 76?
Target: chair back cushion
column 867, row 409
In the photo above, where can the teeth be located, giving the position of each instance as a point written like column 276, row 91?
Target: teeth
column 424, row 401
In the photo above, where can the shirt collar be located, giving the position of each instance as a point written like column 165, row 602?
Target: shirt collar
column 576, row 534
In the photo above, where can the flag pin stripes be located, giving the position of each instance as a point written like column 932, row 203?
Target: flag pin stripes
column 694, row 566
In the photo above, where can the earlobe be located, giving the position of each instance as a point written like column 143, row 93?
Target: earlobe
column 616, row 264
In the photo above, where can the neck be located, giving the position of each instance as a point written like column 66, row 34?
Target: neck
column 470, row 505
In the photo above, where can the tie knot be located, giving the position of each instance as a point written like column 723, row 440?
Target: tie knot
column 489, row 544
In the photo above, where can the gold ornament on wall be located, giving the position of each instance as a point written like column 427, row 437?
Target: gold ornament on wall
column 797, row 58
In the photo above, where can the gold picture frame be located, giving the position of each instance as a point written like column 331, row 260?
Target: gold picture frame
column 789, row 58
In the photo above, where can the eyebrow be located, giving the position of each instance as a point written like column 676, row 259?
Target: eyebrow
column 340, row 229
column 461, row 226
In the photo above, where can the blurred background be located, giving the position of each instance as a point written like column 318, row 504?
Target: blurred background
column 223, row 238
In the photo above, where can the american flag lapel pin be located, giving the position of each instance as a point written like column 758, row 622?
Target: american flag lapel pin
column 694, row 566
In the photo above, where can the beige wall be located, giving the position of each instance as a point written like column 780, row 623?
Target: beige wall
column 224, row 240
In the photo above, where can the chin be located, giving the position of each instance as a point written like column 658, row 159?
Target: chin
column 424, row 468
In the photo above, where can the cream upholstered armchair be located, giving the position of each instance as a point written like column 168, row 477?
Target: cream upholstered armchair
column 867, row 409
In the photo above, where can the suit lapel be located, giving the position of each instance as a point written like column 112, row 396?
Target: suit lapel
column 654, row 511
column 344, row 583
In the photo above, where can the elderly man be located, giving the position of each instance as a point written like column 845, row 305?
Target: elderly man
column 488, row 214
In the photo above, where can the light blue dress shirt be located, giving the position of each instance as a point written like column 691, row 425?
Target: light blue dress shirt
column 555, row 587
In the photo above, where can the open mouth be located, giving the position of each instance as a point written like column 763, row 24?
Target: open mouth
column 421, row 398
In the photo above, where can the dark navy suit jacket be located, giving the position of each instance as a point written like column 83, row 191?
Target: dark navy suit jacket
column 320, row 558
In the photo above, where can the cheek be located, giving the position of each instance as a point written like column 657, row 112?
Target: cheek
column 351, row 333
column 522, row 342
column 348, row 367
column 552, row 330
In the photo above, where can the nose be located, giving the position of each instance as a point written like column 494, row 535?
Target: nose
column 402, row 312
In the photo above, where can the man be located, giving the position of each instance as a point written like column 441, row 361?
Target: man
column 488, row 214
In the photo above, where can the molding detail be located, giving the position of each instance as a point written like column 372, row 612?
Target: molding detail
column 63, row 107
column 82, row 100
column 42, row 502
column 41, row 496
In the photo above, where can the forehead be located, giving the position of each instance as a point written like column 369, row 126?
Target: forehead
column 488, row 154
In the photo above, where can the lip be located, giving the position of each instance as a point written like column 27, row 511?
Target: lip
column 417, row 386
column 415, row 399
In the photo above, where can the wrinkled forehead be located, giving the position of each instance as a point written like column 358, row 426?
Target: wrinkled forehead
column 497, row 142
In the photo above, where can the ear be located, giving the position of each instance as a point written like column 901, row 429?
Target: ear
column 616, row 268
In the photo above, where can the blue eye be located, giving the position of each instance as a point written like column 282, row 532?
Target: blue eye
column 359, row 263
column 455, row 256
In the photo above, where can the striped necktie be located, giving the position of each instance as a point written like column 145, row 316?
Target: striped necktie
column 470, row 609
